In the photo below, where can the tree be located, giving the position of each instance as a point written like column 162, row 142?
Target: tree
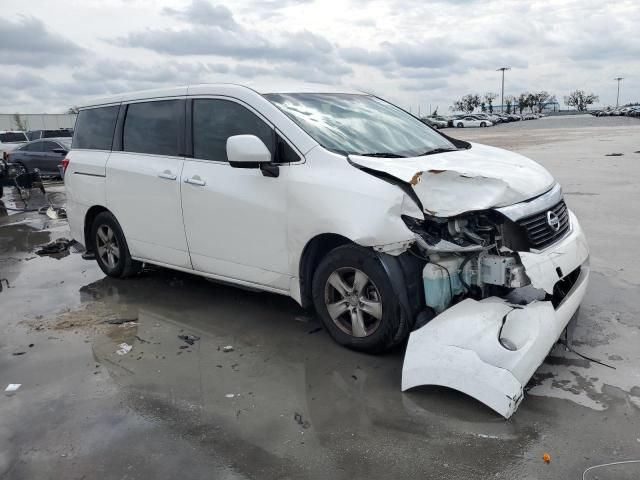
column 483, row 107
column 489, row 97
column 468, row 103
column 580, row 99
column 523, row 101
column 510, row 100
column 543, row 98
column 20, row 123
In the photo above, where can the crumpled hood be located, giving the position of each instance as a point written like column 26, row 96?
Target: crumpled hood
column 479, row 178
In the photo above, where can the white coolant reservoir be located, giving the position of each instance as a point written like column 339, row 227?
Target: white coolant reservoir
column 441, row 281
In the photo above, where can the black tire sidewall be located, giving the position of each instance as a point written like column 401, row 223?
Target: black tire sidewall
column 365, row 260
column 123, row 266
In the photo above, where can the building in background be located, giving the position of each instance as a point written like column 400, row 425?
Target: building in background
column 37, row 121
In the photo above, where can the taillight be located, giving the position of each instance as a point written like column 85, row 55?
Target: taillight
column 65, row 164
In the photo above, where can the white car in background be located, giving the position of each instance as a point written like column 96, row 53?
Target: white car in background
column 471, row 122
column 10, row 140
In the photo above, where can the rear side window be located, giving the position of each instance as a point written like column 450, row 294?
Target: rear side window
column 9, row 137
column 94, row 128
column 216, row 120
column 49, row 146
column 154, row 127
column 34, row 147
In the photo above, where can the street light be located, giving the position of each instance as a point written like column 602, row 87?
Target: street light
column 618, row 94
column 502, row 69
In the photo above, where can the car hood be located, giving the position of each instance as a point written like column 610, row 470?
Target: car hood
column 478, row 178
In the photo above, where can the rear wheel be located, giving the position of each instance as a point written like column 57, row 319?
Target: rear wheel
column 355, row 300
column 110, row 247
column 483, row 124
column 459, row 125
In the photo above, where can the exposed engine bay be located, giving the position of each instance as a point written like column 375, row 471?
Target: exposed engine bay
column 472, row 256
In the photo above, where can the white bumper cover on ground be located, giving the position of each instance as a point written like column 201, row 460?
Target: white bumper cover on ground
column 461, row 347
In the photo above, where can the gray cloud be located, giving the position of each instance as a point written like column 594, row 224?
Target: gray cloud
column 203, row 12
column 28, row 42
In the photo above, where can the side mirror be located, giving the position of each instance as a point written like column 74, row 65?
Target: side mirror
column 61, row 151
column 247, row 151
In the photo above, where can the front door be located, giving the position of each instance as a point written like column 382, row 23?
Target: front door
column 143, row 182
column 235, row 218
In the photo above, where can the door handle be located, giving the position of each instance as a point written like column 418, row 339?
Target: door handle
column 195, row 181
column 167, row 174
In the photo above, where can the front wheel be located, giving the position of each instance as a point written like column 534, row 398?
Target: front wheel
column 459, row 125
column 483, row 124
column 355, row 300
column 110, row 247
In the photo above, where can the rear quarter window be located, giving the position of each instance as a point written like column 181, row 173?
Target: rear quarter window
column 94, row 128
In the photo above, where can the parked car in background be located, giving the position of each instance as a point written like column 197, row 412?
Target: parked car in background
column 59, row 133
column 470, row 121
column 10, row 140
column 434, row 122
column 45, row 155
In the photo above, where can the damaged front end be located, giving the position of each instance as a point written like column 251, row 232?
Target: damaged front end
column 501, row 285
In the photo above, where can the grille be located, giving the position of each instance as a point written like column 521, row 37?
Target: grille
column 539, row 232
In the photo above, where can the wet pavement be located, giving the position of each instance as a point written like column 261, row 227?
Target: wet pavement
column 286, row 401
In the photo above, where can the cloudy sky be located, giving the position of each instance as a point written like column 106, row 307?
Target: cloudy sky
column 414, row 52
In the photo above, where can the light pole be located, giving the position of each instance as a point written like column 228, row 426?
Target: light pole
column 502, row 69
column 618, row 94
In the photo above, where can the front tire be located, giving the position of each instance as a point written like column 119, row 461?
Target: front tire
column 110, row 247
column 355, row 300
column 483, row 124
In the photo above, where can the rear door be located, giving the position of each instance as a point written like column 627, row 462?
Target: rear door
column 143, row 180
column 235, row 218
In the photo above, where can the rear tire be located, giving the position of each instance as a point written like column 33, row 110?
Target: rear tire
column 459, row 125
column 355, row 300
column 483, row 124
column 110, row 247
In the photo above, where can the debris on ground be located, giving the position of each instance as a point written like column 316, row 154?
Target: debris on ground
column 546, row 457
column 6, row 283
column 230, row 395
column 124, row 349
column 60, row 245
column 119, row 321
column 54, row 213
column 12, row 387
column 15, row 354
column 614, row 154
column 190, row 339
column 300, row 421
column 142, row 340
column 228, row 348
column 315, row 330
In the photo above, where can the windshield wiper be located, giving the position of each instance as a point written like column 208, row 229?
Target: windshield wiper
column 382, row 154
column 438, row 150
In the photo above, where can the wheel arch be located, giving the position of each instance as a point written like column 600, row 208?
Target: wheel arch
column 312, row 254
column 89, row 217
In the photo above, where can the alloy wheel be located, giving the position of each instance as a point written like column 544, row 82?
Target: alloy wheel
column 353, row 302
column 107, row 246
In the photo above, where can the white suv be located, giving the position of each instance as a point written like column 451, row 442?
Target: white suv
column 344, row 202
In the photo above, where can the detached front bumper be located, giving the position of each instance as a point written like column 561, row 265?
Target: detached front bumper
column 489, row 349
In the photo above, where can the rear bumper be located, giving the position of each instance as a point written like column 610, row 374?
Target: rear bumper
column 464, row 347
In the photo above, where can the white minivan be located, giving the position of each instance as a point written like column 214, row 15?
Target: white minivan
column 346, row 203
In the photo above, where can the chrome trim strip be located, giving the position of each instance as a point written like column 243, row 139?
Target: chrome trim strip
column 539, row 204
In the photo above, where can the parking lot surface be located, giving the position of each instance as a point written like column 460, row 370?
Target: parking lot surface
column 285, row 401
